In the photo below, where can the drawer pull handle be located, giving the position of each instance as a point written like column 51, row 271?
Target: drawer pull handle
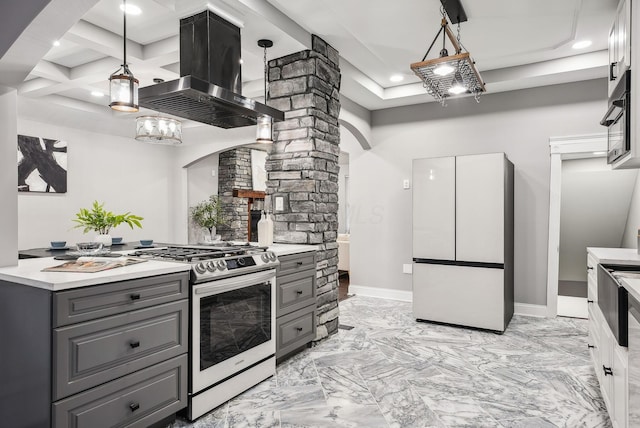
column 607, row 371
column 134, row 406
column 589, row 301
column 589, row 267
column 299, row 291
column 299, row 263
column 299, row 328
column 590, row 346
column 134, row 344
column 135, row 296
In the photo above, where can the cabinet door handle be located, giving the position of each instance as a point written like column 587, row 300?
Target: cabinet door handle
column 612, row 73
column 134, row 296
column 134, row 344
column 299, row 328
column 134, row 406
column 590, row 346
column 607, row 371
column 589, row 267
column 298, row 291
column 589, row 301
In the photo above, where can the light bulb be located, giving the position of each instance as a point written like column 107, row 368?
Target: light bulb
column 443, row 70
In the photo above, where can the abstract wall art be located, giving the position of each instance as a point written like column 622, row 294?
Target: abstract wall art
column 42, row 165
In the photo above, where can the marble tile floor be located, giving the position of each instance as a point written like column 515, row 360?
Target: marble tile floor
column 391, row 371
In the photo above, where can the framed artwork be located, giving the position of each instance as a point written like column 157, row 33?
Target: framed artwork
column 42, row 165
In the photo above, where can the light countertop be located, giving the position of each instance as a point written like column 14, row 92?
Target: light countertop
column 616, row 256
column 29, row 272
column 632, row 286
column 286, row 249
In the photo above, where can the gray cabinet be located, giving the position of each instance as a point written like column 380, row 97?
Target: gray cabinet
column 117, row 354
column 295, row 302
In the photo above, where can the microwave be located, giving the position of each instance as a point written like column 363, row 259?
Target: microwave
column 618, row 120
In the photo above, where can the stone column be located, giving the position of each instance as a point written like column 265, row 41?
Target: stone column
column 234, row 172
column 302, row 167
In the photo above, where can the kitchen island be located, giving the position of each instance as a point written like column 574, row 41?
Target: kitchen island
column 93, row 349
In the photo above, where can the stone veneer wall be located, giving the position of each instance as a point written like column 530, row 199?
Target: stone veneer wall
column 302, row 167
column 234, row 172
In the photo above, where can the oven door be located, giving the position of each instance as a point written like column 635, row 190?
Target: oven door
column 233, row 326
column 617, row 121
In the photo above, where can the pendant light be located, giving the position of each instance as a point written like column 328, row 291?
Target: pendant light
column 449, row 75
column 123, row 87
column 264, row 123
column 158, row 129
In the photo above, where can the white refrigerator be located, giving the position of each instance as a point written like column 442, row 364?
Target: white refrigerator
column 463, row 240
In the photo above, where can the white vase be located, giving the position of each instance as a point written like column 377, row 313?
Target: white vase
column 105, row 240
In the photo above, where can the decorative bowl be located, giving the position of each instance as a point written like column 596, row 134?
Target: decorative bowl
column 89, row 248
column 146, row 242
column 58, row 244
column 116, row 240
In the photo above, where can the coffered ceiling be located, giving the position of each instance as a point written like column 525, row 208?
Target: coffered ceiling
column 516, row 44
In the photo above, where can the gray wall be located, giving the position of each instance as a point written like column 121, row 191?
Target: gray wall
column 8, row 178
column 518, row 123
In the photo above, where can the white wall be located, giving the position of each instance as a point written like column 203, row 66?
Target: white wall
column 591, row 214
column 343, row 193
column 125, row 174
column 8, row 177
column 518, row 123
column 630, row 238
column 202, row 183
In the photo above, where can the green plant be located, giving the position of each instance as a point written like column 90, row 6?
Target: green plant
column 208, row 214
column 101, row 220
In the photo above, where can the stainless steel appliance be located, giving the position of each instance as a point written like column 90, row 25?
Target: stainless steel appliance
column 618, row 120
column 612, row 298
column 634, row 361
column 233, row 313
column 463, row 240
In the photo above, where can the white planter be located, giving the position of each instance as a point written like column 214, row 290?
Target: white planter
column 104, row 239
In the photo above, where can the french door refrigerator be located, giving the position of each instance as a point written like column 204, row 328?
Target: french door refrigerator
column 463, row 240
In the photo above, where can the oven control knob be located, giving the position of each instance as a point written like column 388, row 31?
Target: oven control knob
column 265, row 257
column 211, row 266
column 200, row 268
column 222, row 265
column 241, row 261
column 273, row 256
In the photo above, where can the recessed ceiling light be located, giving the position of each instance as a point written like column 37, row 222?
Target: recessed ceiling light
column 56, row 43
column 599, row 153
column 97, row 94
column 397, row 78
column 581, row 44
column 131, row 9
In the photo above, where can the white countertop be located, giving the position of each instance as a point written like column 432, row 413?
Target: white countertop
column 632, row 286
column 29, row 272
column 616, row 256
column 286, row 249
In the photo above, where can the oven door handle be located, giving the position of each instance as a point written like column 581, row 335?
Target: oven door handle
column 230, row 284
column 617, row 104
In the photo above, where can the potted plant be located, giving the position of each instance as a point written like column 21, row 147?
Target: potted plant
column 101, row 221
column 208, row 214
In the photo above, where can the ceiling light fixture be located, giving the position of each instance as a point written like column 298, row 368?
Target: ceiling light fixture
column 264, row 132
column 130, row 9
column 582, row 44
column 449, row 75
column 56, row 43
column 123, row 87
column 97, row 94
column 158, row 129
column 397, row 78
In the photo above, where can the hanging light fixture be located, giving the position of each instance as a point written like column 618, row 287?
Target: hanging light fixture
column 158, row 129
column 264, row 123
column 123, row 87
column 449, row 75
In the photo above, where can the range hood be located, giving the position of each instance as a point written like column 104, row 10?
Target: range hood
column 209, row 89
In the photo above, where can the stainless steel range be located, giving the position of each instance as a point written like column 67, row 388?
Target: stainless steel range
column 232, row 331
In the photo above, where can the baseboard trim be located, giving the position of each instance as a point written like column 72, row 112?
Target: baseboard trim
column 382, row 293
column 525, row 309
column 530, row 310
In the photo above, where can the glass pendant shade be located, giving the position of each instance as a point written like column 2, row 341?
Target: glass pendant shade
column 158, row 130
column 263, row 133
column 123, row 91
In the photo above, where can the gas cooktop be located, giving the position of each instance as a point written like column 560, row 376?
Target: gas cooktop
column 209, row 262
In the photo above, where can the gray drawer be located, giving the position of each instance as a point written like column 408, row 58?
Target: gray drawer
column 95, row 352
column 136, row 400
column 295, row 330
column 295, row 291
column 296, row 263
column 87, row 303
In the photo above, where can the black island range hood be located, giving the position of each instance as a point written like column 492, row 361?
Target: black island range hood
column 210, row 85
